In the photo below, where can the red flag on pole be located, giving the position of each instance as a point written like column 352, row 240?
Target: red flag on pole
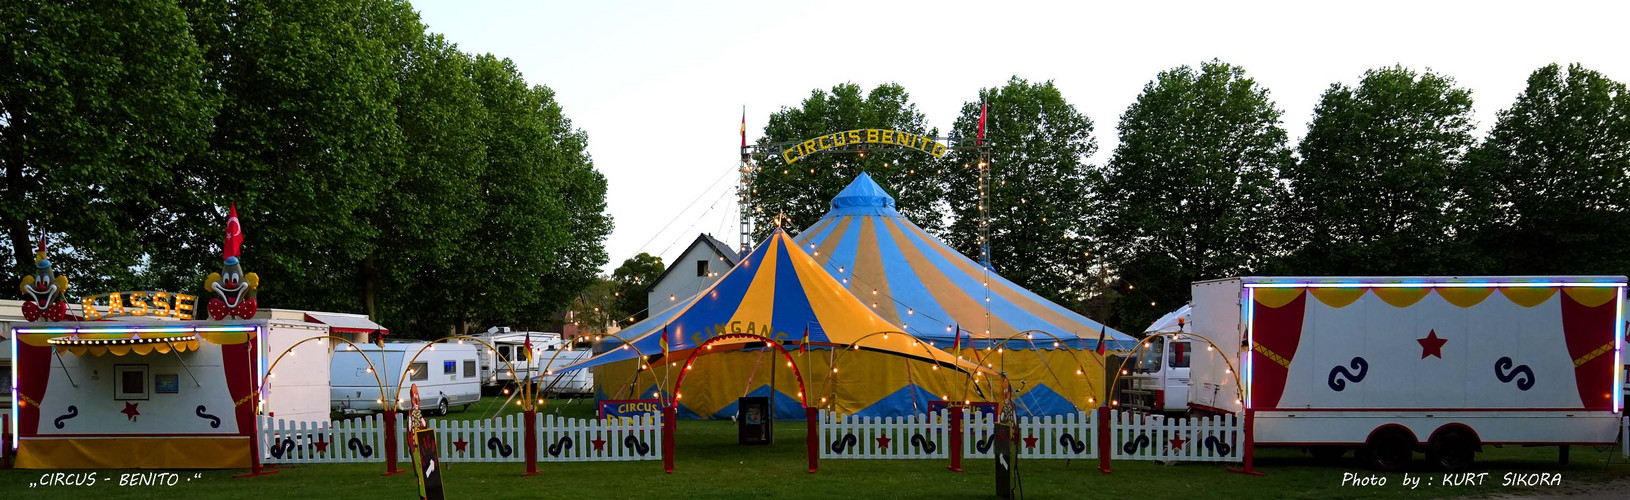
column 234, row 234
column 982, row 108
column 744, row 127
column 1102, row 333
column 956, row 343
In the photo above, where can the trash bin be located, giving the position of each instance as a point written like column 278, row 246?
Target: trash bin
column 754, row 423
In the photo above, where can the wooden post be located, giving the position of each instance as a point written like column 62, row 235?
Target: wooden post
column 813, row 437
column 530, row 440
column 390, row 443
column 669, row 414
column 1106, row 445
column 957, row 433
column 1249, row 445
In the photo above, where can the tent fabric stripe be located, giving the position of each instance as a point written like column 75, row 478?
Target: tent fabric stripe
column 871, row 264
column 963, row 289
column 792, row 307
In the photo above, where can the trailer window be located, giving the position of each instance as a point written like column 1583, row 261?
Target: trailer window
column 503, row 352
column 449, row 368
column 1150, row 354
column 1180, row 355
column 469, row 368
column 419, row 371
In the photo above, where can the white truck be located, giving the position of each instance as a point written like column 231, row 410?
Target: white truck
column 1394, row 365
column 445, row 373
column 1156, row 377
column 549, row 351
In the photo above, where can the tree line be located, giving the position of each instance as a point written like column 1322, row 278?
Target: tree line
column 1205, row 183
column 376, row 167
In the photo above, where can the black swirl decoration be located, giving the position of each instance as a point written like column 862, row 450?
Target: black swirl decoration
column 1069, row 441
column 1339, row 375
column 281, row 448
column 846, row 442
column 922, row 443
column 214, row 421
column 1133, row 445
column 73, row 411
column 1218, row 446
column 983, row 445
column 356, row 445
column 636, row 444
column 1522, row 374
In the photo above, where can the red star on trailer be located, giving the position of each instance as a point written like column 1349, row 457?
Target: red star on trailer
column 131, row 411
column 883, row 441
column 460, row 444
column 1432, row 345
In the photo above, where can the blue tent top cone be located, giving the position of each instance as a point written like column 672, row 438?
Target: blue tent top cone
column 863, row 197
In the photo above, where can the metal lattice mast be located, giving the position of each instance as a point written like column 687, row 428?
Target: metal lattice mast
column 744, row 189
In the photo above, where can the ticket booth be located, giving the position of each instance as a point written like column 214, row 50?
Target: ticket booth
column 754, row 422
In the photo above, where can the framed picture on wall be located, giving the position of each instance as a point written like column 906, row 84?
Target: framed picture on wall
column 166, row 383
column 130, row 382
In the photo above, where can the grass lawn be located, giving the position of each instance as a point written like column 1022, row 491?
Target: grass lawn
column 710, row 465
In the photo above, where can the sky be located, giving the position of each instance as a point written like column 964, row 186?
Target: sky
column 659, row 87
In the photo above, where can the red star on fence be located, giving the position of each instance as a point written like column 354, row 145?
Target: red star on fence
column 1030, row 441
column 1177, row 442
column 322, row 445
column 599, row 443
column 883, row 441
column 131, row 411
column 460, row 444
column 1432, row 345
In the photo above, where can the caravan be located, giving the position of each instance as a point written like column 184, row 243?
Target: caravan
column 549, row 351
column 446, row 374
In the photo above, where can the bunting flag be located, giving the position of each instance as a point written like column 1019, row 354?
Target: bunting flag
column 234, row 234
column 956, row 342
column 982, row 108
column 804, row 348
column 664, row 342
column 1102, row 333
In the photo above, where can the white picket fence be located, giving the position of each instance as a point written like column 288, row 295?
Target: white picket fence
column 1137, row 436
column 495, row 440
column 1069, row 436
column 923, row 435
column 1624, row 435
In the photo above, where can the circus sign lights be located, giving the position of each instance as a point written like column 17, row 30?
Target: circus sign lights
column 852, row 138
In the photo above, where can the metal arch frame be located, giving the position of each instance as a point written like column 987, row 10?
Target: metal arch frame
column 271, row 371
column 835, row 356
column 1239, row 389
column 1080, row 368
column 641, row 364
column 803, row 392
column 400, row 380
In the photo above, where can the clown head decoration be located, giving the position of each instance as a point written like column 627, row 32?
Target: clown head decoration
column 234, row 290
column 43, row 291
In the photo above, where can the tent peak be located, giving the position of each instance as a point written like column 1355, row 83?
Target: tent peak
column 863, row 194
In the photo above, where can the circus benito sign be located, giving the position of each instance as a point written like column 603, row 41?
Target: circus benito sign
column 849, row 139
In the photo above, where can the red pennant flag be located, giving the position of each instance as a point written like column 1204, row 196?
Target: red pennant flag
column 805, row 347
column 982, row 108
column 234, row 234
column 956, row 343
column 1102, row 333
column 379, row 339
column 744, row 127
column 664, row 340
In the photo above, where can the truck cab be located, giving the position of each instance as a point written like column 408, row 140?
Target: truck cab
column 1156, row 378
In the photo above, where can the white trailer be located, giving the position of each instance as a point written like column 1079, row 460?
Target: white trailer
column 1155, row 378
column 1395, row 365
column 549, row 351
column 446, row 374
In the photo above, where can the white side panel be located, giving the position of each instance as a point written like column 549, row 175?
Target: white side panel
column 83, row 390
column 299, row 391
column 1354, row 428
column 1216, row 316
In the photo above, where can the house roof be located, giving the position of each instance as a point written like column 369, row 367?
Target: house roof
column 719, row 248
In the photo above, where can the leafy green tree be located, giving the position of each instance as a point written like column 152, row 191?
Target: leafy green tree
column 1040, row 192
column 99, row 101
column 1556, row 168
column 1192, row 189
column 803, row 190
column 636, row 273
column 1380, row 175
column 594, row 308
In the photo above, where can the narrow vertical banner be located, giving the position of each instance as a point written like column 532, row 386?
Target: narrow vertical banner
column 983, row 107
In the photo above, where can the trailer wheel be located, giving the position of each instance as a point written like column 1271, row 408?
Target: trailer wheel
column 441, row 408
column 1390, row 450
column 1452, row 450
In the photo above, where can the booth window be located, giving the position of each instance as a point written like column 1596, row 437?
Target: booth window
column 419, row 371
column 701, row 268
column 132, row 382
column 469, row 368
column 449, row 367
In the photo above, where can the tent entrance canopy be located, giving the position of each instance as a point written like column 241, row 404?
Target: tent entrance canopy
column 778, row 293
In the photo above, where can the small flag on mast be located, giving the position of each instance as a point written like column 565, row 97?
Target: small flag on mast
column 664, row 341
column 234, row 234
column 982, row 109
column 1102, row 333
column 744, row 127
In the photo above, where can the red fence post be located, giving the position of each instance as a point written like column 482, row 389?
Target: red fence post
column 390, row 443
column 1249, row 445
column 5, row 441
column 957, row 432
column 1105, row 444
column 531, row 442
column 669, row 414
column 813, row 438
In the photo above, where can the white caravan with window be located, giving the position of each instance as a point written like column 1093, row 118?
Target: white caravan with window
column 448, row 374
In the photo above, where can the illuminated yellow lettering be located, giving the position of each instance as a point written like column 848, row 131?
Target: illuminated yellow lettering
column 809, row 147
column 854, row 136
column 184, row 305
column 161, row 304
column 886, row 137
column 735, row 327
column 821, row 141
column 90, row 309
column 840, row 139
column 138, row 306
column 788, row 158
column 116, row 305
column 871, row 135
column 939, row 150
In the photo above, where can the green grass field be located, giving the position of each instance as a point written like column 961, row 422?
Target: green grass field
column 710, row 465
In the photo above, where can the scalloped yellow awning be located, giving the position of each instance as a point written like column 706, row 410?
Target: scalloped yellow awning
column 138, row 349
